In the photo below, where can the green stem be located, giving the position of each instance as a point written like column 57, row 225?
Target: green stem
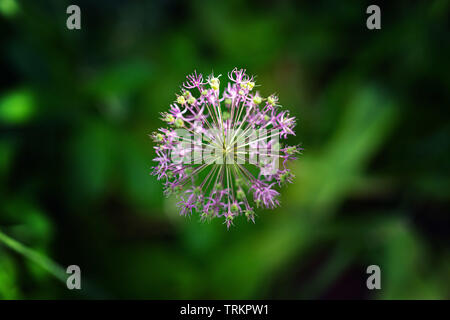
column 49, row 265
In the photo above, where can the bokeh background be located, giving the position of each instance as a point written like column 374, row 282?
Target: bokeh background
column 372, row 186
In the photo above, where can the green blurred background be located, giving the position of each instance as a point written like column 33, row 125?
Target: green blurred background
column 372, row 186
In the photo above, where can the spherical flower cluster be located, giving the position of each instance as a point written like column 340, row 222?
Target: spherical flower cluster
column 220, row 153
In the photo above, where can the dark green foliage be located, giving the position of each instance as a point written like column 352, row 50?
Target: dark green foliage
column 372, row 185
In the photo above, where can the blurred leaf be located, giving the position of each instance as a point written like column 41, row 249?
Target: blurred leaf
column 142, row 188
column 8, row 7
column 401, row 262
column 341, row 258
column 243, row 268
column 17, row 107
column 153, row 272
column 34, row 256
column 93, row 158
column 6, row 156
column 28, row 223
column 8, row 277
column 31, row 226
column 327, row 176
column 120, row 79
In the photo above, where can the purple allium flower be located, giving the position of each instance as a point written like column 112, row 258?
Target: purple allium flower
column 221, row 153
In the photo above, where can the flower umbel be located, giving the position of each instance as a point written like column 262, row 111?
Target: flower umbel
column 221, row 153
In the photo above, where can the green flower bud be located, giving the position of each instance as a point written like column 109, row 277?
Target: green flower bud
column 169, row 118
column 257, row 99
column 191, row 100
column 179, row 123
column 225, row 115
column 272, row 100
column 181, row 100
column 207, row 215
column 249, row 213
column 214, row 83
column 240, row 194
column 157, row 137
column 291, row 150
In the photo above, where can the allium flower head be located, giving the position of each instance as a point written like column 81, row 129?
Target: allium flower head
column 221, row 153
